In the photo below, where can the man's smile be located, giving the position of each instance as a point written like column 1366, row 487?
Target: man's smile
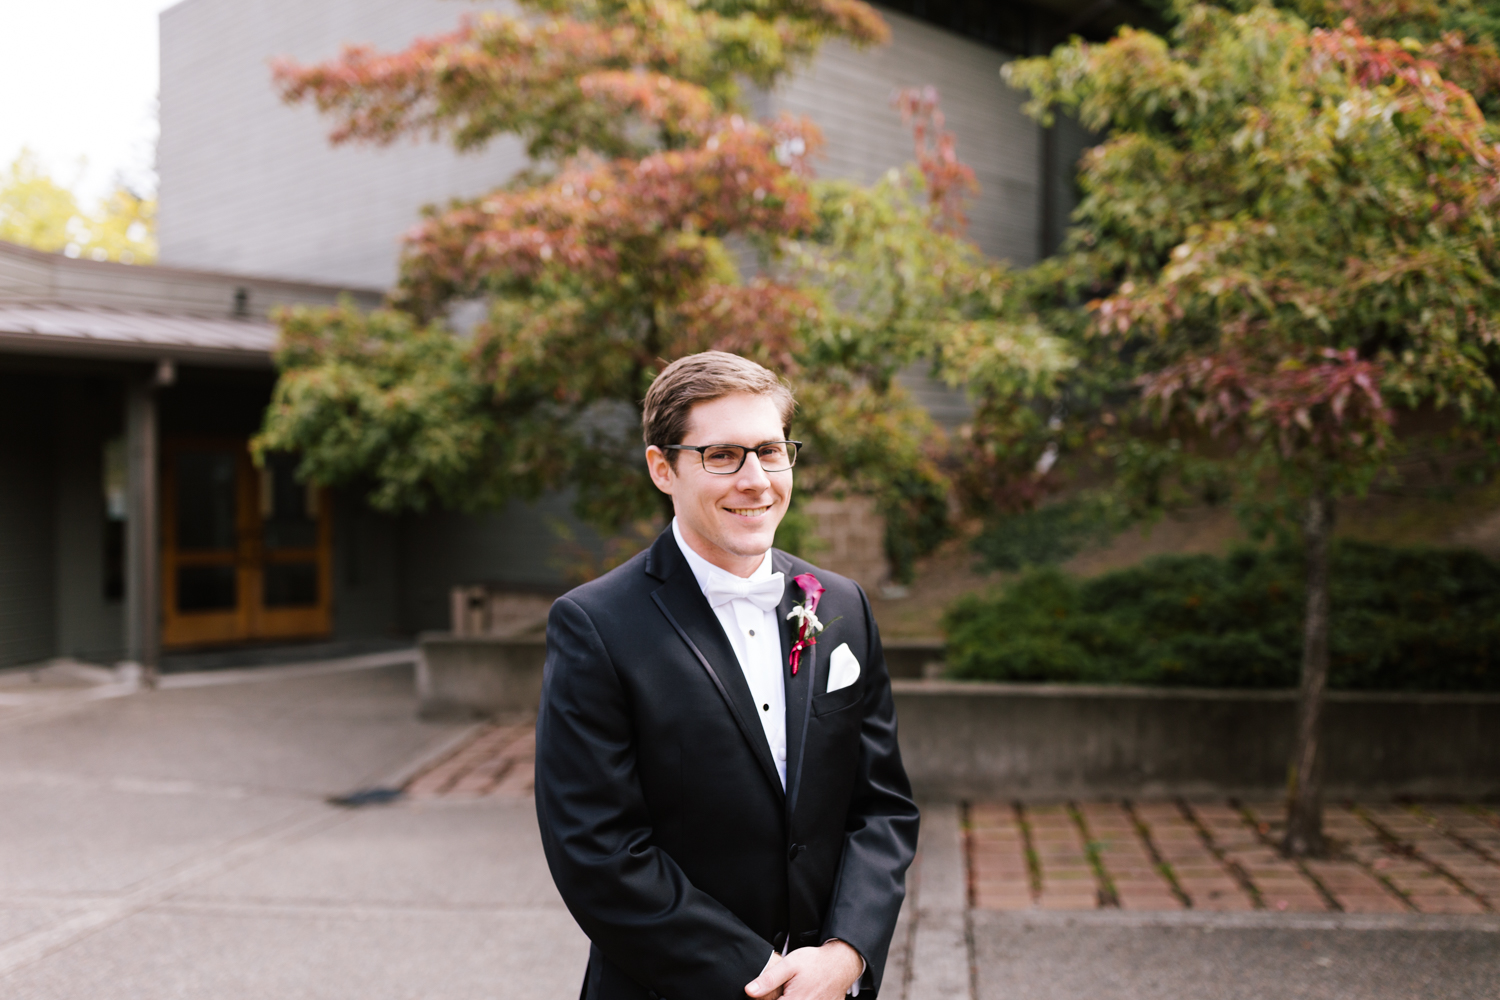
column 748, row 511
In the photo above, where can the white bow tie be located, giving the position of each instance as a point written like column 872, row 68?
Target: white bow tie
column 764, row 593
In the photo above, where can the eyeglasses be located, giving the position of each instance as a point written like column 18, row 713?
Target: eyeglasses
column 727, row 459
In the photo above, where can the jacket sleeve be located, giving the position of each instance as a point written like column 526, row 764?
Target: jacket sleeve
column 631, row 899
column 881, row 830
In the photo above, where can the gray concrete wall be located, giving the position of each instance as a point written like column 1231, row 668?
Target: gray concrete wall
column 27, row 527
column 1050, row 742
column 478, row 676
column 1040, row 741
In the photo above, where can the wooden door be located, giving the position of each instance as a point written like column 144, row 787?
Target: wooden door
column 246, row 552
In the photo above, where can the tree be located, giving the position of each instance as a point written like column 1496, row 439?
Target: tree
column 658, row 220
column 38, row 212
column 1285, row 251
column 1458, row 35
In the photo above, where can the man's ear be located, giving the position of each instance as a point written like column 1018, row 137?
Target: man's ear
column 660, row 468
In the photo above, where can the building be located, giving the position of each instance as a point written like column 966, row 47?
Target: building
column 131, row 517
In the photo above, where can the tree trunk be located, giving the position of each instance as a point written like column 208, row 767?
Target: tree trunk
column 1304, row 821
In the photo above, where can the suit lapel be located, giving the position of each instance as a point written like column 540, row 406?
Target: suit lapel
column 688, row 611
column 799, row 687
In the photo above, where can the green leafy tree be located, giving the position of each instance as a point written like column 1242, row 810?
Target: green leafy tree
column 1459, row 36
column 659, row 220
column 1285, row 253
column 38, row 212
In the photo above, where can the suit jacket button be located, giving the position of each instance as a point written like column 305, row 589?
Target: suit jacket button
column 796, row 849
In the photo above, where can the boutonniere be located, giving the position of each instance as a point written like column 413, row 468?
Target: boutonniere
column 808, row 625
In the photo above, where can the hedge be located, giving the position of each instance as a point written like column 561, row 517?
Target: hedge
column 1403, row 620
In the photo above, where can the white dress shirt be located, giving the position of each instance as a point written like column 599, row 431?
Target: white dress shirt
column 756, row 638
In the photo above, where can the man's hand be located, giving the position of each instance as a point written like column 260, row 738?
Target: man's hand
column 765, row 977
column 823, row 973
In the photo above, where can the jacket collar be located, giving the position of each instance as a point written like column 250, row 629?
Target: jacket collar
column 681, row 600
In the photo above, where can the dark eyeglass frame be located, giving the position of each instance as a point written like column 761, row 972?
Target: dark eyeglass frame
column 745, row 450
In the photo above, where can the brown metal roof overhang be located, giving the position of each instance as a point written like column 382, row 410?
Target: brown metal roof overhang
column 99, row 333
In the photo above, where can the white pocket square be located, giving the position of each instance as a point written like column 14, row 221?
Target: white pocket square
column 843, row 668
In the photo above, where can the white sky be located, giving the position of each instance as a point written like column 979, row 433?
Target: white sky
column 78, row 79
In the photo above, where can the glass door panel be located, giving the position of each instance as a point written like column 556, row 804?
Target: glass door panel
column 203, row 565
column 246, row 550
column 294, row 543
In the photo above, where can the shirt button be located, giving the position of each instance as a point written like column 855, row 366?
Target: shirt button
column 752, row 631
column 765, row 708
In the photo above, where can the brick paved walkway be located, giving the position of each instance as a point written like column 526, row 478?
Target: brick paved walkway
column 499, row 761
column 1221, row 856
column 1210, row 856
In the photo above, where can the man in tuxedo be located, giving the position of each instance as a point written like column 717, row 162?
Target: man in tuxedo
column 720, row 822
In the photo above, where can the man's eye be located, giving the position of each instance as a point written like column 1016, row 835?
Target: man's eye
column 771, row 451
column 721, row 455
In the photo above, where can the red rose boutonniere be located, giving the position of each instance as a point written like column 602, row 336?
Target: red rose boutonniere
column 806, row 615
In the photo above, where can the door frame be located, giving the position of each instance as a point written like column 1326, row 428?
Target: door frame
column 249, row 620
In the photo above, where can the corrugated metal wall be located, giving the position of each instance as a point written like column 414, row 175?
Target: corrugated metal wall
column 250, row 185
column 848, row 93
column 27, row 529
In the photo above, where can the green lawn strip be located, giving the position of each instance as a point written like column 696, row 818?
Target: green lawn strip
column 1432, row 820
column 1263, row 832
column 1396, row 845
column 1092, row 849
column 1163, row 867
column 1234, row 868
column 1033, row 860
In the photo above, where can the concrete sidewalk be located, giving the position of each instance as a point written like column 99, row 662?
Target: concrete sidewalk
column 178, row 843
column 947, row 950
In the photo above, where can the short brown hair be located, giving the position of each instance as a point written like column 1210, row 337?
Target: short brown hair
column 702, row 378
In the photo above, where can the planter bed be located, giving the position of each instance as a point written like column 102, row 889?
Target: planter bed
column 985, row 740
column 1051, row 741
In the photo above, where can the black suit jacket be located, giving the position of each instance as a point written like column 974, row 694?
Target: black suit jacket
column 662, row 815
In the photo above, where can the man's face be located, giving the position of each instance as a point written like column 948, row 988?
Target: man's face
column 729, row 520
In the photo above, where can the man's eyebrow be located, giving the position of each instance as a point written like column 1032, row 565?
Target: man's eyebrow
column 731, row 444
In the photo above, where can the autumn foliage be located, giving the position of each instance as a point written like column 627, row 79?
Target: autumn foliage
column 1284, row 249
column 659, row 218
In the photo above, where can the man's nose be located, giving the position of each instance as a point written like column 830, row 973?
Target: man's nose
column 752, row 476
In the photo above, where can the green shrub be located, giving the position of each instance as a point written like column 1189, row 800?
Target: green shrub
column 1043, row 536
column 1403, row 620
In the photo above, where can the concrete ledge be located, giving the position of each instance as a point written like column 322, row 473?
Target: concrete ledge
column 909, row 658
column 1051, row 741
column 467, row 677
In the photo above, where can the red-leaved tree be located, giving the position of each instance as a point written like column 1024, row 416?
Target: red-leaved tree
column 658, row 219
column 1286, row 245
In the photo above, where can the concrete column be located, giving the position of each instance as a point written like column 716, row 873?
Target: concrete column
column 142, row 529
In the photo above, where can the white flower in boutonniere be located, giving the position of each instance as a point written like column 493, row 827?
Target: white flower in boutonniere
column 808, row 625
column 808, row 619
